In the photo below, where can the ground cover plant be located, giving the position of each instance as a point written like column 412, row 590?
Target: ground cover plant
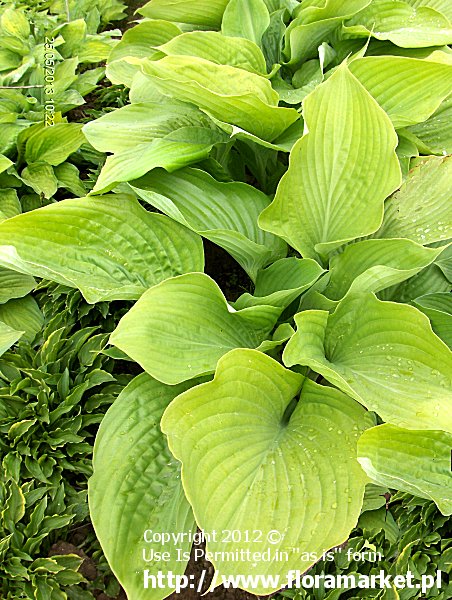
column 311, row 142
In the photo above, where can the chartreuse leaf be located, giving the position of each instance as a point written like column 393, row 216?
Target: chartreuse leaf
column 5, row 163
column 205, row 13
column 229, row 94
column 88, row 244
column 10, row 205
column 397, row 84
column 282, row 282
column 14, row 285
column 383, row 354
column 401, row 24
column 241, row 437
column 225, row 213
column 149, row 135
column 8, row 337
column 314, row 24
column 138, row 42
column 54, row 144
column 23, row 314
column 421, row 210
column 150, row 333
column 212, row 45
column 373, row 265
column 337, row 179
column 246, row 19
column 136, row 486
column 434, row 136
column 441, row 6
column 438, row 308
column 417, row 462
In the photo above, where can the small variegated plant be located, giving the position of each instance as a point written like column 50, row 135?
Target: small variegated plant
column 311, row 141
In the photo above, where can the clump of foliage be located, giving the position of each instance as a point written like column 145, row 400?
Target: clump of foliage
column 55, row 388
column 298, row 137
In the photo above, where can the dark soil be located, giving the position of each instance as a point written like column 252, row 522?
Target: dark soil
column 226, row 271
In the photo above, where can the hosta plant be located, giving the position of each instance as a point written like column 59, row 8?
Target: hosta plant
column 310, row 141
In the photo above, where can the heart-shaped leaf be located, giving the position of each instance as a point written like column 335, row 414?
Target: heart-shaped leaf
column 240, row 437
column 384, row 355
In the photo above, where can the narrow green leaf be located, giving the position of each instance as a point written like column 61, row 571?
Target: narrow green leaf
column 417, row 462
column 225, row 213
column 239, row 437
column 150, row 333
column 87, row 243
column 136, row 488
column 384, row 355
column 337, row 179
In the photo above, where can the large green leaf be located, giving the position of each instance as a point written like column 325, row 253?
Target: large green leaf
column 240, row 437
column 14, row 285
column 247, row 19
column 54, row 144
column 434, row 136
column 282, row 282
column 138, row 42
column 384, row 355
column 438, row 308
column 417, row 462
column 149, row 135
column 229, row 94
column 442, row 6
column 88, row 243
column 205, row 13
column 401, row 24
column 373, row 265
column 314, row 24
column 23, row 314
column 222, row 50
column 8, row 337
column 225, row 213
column 421, row 210
column 181, row 327
column 398, row 84
column 338, row 178
column 136, row 487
